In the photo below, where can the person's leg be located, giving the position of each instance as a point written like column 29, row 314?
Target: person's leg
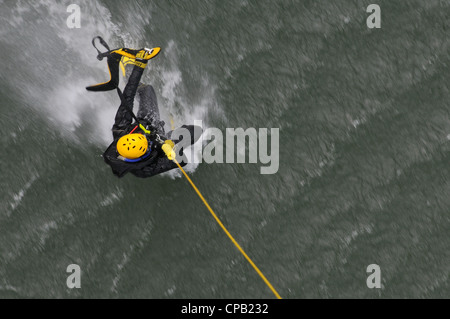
column 148, row 108
column 122, row 121
column 132, row 86
column 123, row 117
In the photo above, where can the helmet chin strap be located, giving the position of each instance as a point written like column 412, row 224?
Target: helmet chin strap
column 142, row 128
column 132, row 131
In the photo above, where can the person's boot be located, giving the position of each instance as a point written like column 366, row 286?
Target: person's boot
column 144, row 55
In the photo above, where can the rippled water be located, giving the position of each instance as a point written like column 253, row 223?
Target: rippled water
column 364, row 151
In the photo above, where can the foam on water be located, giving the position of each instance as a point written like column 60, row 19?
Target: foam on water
column 64, row 63
column 62, row 59
column 17, row 198
column 176, row 110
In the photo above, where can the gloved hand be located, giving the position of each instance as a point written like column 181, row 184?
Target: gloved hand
column 167, row 148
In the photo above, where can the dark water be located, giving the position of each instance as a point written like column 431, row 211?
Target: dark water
column 364, row 151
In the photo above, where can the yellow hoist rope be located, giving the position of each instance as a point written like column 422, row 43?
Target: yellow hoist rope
column 171, row 155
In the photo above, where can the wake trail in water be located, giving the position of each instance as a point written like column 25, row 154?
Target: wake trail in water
column 49, row 65
column 52, row 63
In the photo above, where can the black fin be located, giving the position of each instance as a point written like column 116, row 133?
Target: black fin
column 113, row 83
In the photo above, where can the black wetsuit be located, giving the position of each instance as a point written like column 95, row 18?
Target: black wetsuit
column 148, row 115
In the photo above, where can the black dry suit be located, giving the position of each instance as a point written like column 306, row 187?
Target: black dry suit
column 152, row 163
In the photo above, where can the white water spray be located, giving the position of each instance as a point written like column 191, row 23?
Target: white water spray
column 50, row 65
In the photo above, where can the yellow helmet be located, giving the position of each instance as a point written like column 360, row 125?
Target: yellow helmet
column 132, row 146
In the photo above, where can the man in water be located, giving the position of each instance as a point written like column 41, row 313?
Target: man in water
column 137, row 147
